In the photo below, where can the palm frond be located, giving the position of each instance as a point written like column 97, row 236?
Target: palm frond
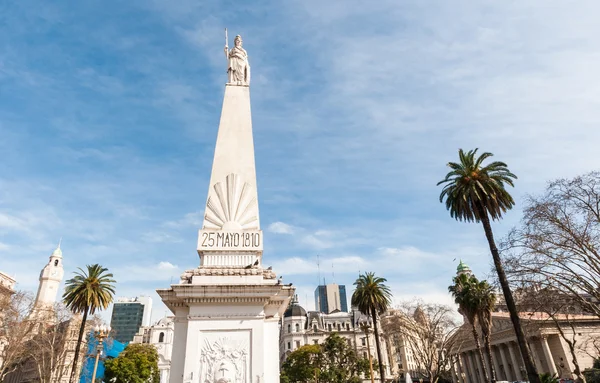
column 470, row 188
column 92, row 289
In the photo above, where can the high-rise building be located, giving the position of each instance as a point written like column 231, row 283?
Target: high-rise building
column 128, row 315
column 331, row 298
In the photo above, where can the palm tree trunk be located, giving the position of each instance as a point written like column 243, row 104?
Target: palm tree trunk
column 532, row 374
column 78, row 347
column 377, row 343
column 486, row 376
column 488, row 351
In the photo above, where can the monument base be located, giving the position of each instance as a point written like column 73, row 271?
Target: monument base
column 226, row 325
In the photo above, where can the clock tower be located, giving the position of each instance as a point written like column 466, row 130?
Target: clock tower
column 50, row 279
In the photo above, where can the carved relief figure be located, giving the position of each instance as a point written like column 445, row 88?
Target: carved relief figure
column 238, row 69
column 223, row 361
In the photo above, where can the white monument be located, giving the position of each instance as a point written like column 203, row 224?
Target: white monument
column 227, row 309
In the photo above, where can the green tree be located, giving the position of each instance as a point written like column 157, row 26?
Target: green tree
column 547, row 378
column 85, row 293
column 474, row 192
column 341, row 363
column 302, row 365
column 333, row 361
column 372, row 297
column 463, row 291
column 138, row 363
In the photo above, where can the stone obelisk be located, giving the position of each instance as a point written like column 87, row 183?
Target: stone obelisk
column 227, row 309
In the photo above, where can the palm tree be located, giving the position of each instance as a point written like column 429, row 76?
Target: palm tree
column 486, row 301
column 475, row 193
column 372, row 297
column 85, row 293
column 464, row 292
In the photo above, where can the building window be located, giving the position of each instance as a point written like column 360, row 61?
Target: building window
column 348, row 326
column 161, row 337
column 56, row 262
column 297, row 344
column 314, row 327
column 316, row 341
column 363, row 341
column 289, row 328
column 297, row 327
column 329, row 326
column 289, row 345
column 339, row 326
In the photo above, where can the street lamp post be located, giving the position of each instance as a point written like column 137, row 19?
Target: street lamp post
column 365, row 326
column 100, row 332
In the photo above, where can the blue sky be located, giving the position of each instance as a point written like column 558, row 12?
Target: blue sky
column 109, row 113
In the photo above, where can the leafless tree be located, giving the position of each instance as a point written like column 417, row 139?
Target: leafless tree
column 48, row 349
column 558, row 243
column 426, row 330
column 561, row 311
column 15, row 329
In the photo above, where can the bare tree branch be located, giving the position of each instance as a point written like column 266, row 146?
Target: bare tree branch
column 426, row 329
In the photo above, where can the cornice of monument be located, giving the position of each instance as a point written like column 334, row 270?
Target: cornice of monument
column 187, row 276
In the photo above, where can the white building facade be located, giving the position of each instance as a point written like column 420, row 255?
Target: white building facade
column 160, row 335
column 300, row 328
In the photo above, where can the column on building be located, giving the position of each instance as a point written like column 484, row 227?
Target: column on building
column 461, row 369
column 476, row 374
column 467, row 368
column 508, row 373
column 479, row 363
column 495, row 361
column 515, row 356
column 548, row 355
column 568, row 367
column 535, row 354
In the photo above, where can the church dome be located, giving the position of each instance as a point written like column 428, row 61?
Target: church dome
column 165, row 321
column 294, row 309
column 462, row 268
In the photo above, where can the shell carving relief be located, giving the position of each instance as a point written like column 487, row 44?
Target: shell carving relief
column 224, row 361
column 231, row 205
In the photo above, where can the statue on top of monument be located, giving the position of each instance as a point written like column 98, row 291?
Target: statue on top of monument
column 238, row 69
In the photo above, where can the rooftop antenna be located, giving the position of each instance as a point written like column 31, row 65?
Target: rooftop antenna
column 59, row 242
column 332, row 272
column 318, row 270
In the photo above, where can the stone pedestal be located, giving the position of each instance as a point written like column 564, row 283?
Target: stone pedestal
column 226, row 332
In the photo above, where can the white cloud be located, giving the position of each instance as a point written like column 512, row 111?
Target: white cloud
column 194, row 219
column 281, row 228
column 160, row 237
column 316, row 243
column 163, row 265
column 10, row 222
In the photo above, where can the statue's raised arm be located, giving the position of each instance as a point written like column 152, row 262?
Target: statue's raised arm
column 238, row 70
